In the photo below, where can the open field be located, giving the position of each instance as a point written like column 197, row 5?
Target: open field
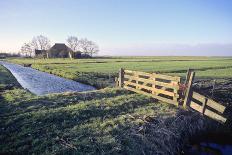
column 99, row 122
column 101, row 72
column 110, row 120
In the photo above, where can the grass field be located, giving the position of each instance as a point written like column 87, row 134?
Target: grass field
column 106, row 121
column 101, row 72
column 99, row 122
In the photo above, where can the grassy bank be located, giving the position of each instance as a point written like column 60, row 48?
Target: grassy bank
column 101, row 72
column 107, row 121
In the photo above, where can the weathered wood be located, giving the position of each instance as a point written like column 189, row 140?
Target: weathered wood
column 203, row 108
column 198, row 97
column 207, row 112
column 141, row 82
column 188, row 92
column 215, row 116
column 216, row 106
column 157, row 91
column 138, row 72
column 121, row 77
column 152, row 95
column 195, row 106
column 154, row 75
column 161, row 86
column 152, row 81
column 166, row 77
column 220, row 108
column 188, row 76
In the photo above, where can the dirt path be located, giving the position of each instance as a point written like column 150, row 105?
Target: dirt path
column 41, row 83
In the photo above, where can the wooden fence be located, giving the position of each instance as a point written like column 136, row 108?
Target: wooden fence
column 201, row 103
column 162, row 87
column 170, row 90
column 207, row 107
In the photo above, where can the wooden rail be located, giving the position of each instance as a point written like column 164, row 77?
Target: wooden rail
column 207, row 107
column 162, row 87
column 167, row 89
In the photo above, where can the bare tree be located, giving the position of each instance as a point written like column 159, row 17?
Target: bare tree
column 93, row 48
column 73, row 43
column 88, row 47
column 84, row 45
column 41, row 43
column 27, row 49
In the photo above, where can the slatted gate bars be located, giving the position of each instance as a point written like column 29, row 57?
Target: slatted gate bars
column 170, row 90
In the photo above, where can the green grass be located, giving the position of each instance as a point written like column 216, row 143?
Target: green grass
column 106, row 121
column 101, row 72
column 82, row 123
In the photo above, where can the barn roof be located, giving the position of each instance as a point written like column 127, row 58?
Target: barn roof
column 60, row 47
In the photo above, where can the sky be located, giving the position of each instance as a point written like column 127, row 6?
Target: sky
column 123, row 27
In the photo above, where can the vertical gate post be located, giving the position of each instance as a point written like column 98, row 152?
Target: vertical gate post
column 188, row 92
column 121, row 77
column 188, row 76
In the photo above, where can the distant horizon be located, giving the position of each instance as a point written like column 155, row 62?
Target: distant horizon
column 151, row 28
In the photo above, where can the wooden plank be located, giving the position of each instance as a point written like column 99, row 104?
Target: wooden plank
column 166, row 77
column 154, row 75
column 210, row 102
column 189, row 91
column 214, row 116
column 152, row 95
column 188, row 76
column 151, row 81
column 157, row 91
column 138, row 85
column 137, row 72
column 204, row 106
column 195, row 106
column 198, row 97
column 216, row 106
column 167, row 85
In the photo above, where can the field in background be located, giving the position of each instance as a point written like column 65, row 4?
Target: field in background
column 101, row 72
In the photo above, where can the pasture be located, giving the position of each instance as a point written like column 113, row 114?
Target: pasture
column 101, row 72
column 109, row 120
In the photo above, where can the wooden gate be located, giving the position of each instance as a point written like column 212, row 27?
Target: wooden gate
column 200, row 103
column 162, row 87
column 170, row 90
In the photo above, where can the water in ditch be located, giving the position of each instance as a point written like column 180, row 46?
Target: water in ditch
column 41, row 83
column 210, row 144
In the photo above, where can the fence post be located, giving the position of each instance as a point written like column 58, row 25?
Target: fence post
column 204, row 106
column 116, row 81
column 188, row 76
column 121, row 77
column 188, row 92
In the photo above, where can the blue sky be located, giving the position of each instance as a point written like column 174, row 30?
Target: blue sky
column 123, row 27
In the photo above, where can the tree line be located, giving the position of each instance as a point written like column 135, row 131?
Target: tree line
column 80, row 46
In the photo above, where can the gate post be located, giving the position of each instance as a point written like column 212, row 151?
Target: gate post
column 121, row 77
column 188, row 92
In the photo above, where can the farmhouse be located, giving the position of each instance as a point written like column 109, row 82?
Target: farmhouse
column 40, row 53
column 59, row 50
